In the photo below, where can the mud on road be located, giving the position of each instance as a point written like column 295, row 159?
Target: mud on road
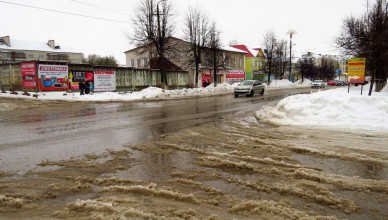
column 232, row 169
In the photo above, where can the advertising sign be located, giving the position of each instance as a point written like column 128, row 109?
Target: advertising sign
column 356, row 70
column 104, row 80
column 206, row 79
column 76, row 76
column 28, row 70
column 53, row 77
column 233, row 76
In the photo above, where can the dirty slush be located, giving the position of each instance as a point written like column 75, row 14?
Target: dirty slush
column 238, row 168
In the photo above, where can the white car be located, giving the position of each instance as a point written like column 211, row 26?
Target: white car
column 249, row 88
column 318, row 84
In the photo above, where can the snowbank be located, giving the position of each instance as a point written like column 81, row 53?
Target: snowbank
column 149, row 93
column 334, row 108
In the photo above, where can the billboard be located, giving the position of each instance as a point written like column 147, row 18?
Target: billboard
column 356, row 70
column 234, row 76
column 104, row 80
column 53, row 77
column 28, row 70
column 76, row 76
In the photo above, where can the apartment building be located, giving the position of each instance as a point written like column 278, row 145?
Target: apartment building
column 232, row 70
column 13, row 50
column 255, row 61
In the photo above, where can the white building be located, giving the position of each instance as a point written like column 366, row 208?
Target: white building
column 22, row 50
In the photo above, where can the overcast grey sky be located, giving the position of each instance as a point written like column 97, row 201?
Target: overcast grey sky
column 317, row 22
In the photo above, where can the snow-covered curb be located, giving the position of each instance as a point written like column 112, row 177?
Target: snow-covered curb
column 150, row 93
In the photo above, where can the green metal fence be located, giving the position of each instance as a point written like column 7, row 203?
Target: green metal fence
column 127, row 79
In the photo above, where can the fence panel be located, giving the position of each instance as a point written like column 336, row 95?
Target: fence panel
column 126, row 78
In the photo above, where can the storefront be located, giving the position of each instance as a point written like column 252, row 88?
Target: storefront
column 228, row 76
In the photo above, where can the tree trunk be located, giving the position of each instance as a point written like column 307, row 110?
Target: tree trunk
column 215, row 67
column 269, row 71
column 196, row 74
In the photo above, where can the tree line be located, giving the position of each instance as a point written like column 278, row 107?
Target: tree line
column 153, row 25
column 367, row 36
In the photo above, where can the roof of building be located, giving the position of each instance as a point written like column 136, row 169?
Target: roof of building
column 250, row 52
column 35, row 46
column 232, row 49
column 224, row 48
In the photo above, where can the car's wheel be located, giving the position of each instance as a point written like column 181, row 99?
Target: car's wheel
column 235, row 95
column 262, row 92
column 251, row 93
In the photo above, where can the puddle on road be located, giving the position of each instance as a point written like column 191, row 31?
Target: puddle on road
column 156, row 166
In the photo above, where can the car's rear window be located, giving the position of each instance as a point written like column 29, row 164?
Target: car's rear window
column 247, row 83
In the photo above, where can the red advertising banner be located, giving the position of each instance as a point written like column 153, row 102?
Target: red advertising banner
column 53, row 77
column 235, row 74
column 28, row 70
column 206, row 79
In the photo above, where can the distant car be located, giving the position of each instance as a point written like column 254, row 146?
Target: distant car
column 249, row 88
column 336, row 82
column 340, row 83
column 318, row 84
column 331, row 83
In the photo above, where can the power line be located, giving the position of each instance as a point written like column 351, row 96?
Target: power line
column 94, row 6
column 113, row 5
column 63, row 12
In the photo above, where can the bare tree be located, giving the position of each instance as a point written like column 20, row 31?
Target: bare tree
column 152, row 28
column 367, row 36
column 197, row 32
column 327, row 67
column 214, row 45
column 95, row 59
column 280, row 58
column 233, row 42
column 269, row 42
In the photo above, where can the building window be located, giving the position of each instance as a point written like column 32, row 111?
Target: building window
column 58, row 57
column 19, row 55
column 145, row 60
column 138, row 63
column 132, row 62
column 63, row 57
column 31, row 56
column 41, row 56
column 6, row 55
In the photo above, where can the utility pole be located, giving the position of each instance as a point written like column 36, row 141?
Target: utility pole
column 290, row 32
column 161, row 48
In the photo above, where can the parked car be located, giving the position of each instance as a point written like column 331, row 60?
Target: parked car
column 318, row 84
column 249, row 88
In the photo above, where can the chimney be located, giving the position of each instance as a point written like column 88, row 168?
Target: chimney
column 51, row 44
column 6, row 40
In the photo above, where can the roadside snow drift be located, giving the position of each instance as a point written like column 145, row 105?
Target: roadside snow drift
column 334, row 108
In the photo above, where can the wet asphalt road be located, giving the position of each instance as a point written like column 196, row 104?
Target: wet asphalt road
column 36, row 131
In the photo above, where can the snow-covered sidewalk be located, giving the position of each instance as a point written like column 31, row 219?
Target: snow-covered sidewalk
column 150, row 93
